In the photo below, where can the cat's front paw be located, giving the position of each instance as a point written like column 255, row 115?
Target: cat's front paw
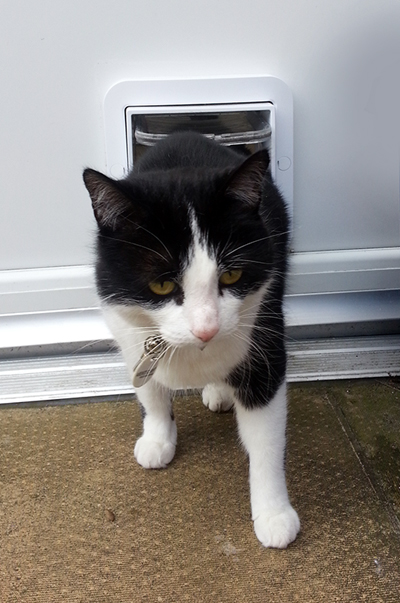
column 218, row 398
column 277, row 530
column 152, row 454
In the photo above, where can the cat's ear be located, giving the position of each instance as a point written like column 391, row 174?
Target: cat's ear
column 109, row 203
column 246, row 182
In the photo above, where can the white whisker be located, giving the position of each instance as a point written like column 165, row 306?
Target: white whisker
column 136, row 245
column 153, row 235
column 247, row 244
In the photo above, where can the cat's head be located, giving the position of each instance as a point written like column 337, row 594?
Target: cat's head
column 189, row 249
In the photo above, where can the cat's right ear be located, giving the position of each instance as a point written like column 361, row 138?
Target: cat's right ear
column 246, row 183
column 109, row 203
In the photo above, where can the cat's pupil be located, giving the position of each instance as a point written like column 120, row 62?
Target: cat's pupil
column 162, row 287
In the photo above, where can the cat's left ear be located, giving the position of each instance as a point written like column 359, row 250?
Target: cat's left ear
column 246, row 182
column 109, row 203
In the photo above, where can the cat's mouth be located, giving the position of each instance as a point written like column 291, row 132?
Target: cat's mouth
column 190, row 345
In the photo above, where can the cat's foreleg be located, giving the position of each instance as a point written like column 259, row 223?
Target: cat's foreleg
column 262, row 431
column 156, row 447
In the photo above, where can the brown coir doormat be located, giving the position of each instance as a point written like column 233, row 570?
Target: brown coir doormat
column 80, row 521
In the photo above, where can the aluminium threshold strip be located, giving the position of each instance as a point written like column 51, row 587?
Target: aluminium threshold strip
column 93, row 376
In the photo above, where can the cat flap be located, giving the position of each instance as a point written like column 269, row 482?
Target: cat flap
column 109, row 203
column 247, row 181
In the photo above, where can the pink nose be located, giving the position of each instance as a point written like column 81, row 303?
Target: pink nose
column 206, row 334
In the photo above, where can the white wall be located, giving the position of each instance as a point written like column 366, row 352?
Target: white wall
column 58, row 59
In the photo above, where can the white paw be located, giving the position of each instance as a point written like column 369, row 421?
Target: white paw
column 218, row 398
column 277, row 530
column 153, row 454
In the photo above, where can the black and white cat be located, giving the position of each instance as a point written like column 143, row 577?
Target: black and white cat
column 192, row 248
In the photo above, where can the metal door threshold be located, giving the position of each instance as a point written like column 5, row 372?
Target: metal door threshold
column 344, row 358
column 103, row 375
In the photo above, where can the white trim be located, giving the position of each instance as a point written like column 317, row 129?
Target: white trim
column 59, row 306
column 35, row 290
column 339, row 314
column 53, row 333
column 47, row 290
column 18, row 280
column 347, row 270
column 49, row 310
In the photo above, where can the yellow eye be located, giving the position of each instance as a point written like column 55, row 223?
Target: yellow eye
column 230, row 277
column 162, row 287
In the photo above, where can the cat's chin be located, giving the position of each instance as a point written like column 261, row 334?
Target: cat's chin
column 190, row 347
column 202, row 345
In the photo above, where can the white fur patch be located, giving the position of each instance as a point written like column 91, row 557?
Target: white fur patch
column 262, row 431
column 200, row 285
column 156, row 447
column 218, row 397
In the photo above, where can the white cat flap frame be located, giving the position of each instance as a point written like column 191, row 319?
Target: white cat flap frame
column 260, row 94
